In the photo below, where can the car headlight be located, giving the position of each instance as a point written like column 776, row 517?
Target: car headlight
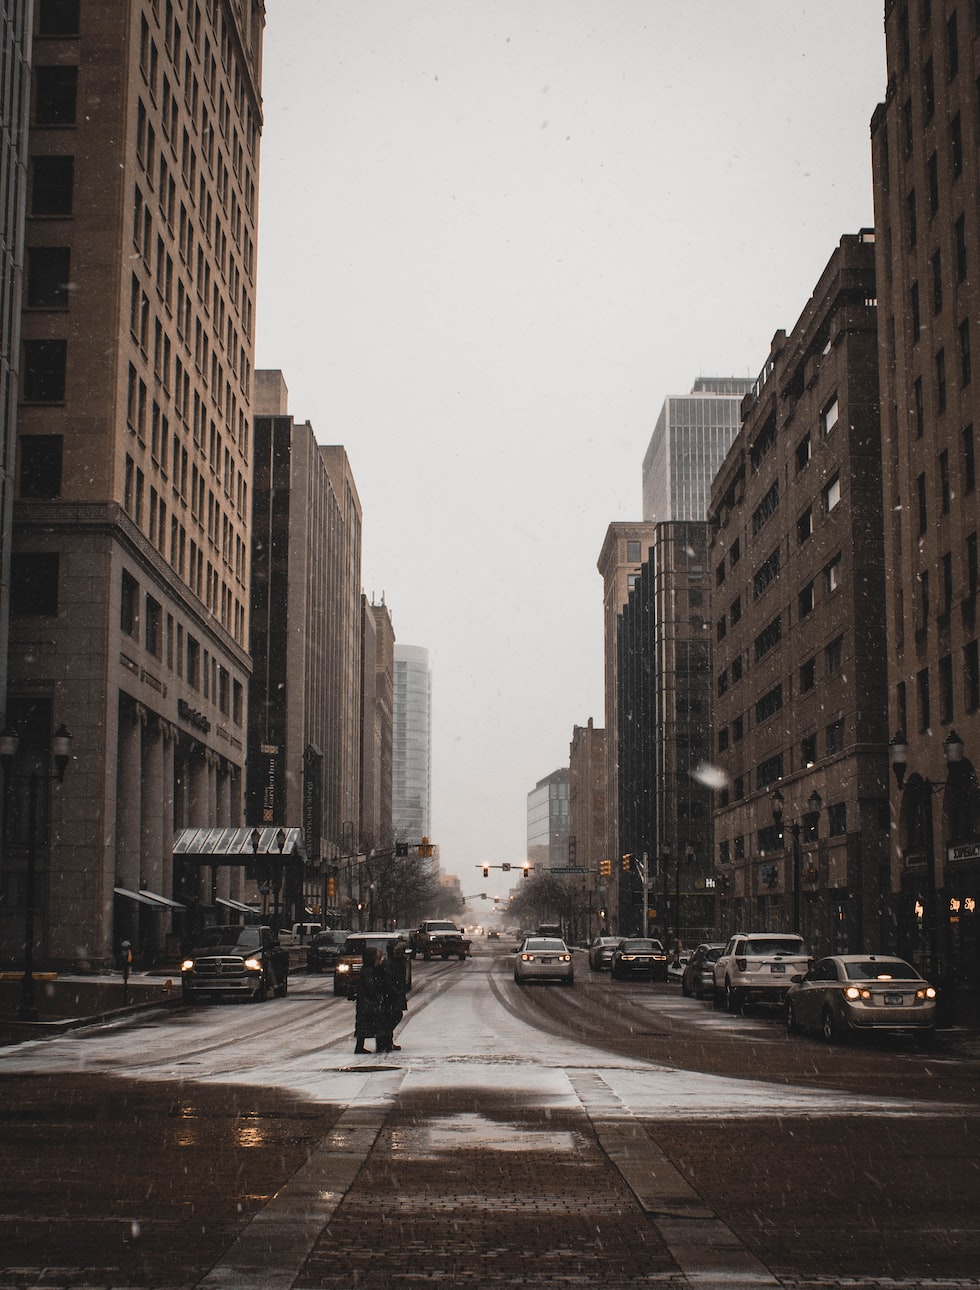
column 343, row 967
column 253, row 965
column 187, row 965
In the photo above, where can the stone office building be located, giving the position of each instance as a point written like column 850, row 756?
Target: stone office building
column 130, row 567
column 801, row 826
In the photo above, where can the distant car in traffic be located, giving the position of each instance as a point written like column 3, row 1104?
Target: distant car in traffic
column 850, row 994
column 698, row 977
column 347, row 972
column 601, row 952
column 639, row 956
column 544, row 958
column 324, row 950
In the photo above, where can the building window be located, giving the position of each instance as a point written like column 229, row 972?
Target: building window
column 969, row 460
column 768, row 638
column 764, row 441
column 922, row 690
column 769, row 771
column 193, row 662
column 48, row 275
column 736, row 669
column 735, row 610
column 920, row 485
column 52, row 185
column 720, row 573
column 723, row 740
column 915, row 313
column 721, row 628
column 738, row 729
column 735, row 554
column 764, row 575
column 633, row 552
column 829, row 416
column 933, row 172
column 766, row 509
column 808, row 750
column 154, row 622
column 831, row 495
column 44, row 370
column 58, row 18
column 803, row 453
column 834, row 654
column 961, row 257
column 956, row 146
column 237, row 702
column 34, row 584
column 946, row 689
column 911, row 224
column 918, row 407
column 808, row 675
column 739, row 848
column 947, row 569
column 971, row 564
column 722, row 682
column 928, row 91
column 832, row 574
column 965, row 360
column 835, row 738
column 971, row 676
column 129, row 611
column 55, row 95
column 937, row 282
column 805, row 600
column 941, row 380
column 769, row 705
column 952, row 46
column 804, row 526
column 40, row 465
column 724, row 851
column 837, row 820
column 945, row 489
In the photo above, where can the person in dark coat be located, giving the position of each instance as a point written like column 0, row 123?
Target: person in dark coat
column 395, row 1004
column 370, row 1017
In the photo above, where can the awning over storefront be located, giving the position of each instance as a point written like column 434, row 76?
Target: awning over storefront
column 148, row 898
column 237, row 846
column 236, row 905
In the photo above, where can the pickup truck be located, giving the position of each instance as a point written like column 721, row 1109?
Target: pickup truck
column 439, row 940
column 234, row 962
column 301, row 934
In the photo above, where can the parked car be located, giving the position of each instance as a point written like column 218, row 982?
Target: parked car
column 299, row 934
column 601, row 952
column 758, row 968
column 324, row 950
column 676, row 965
column 348, row 968
column 850, row 994
column 698, row 977
column 639, row 956
column 544, row 958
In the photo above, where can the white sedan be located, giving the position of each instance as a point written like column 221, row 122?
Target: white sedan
column 544, row 958
column 848, row 994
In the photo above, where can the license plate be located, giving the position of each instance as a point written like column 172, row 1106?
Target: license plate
column 547, row 958
column 894, row 999
column 777, row 967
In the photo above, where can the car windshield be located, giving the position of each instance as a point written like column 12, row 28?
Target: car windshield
column 544, row 943
column 213, row 938
column 642, row 946
column 881, row 970
column 776, row 945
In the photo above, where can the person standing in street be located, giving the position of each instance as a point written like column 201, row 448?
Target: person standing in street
column 370, row 1018
column 396, row 995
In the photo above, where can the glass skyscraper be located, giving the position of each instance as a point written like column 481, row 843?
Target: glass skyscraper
column 689, row 442
column 412, row 745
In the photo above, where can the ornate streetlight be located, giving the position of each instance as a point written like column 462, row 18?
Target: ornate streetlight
column 61, row 748
column 778, row 803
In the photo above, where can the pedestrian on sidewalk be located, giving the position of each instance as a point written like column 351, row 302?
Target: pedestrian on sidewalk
column 369, row 1016
column 395, row 1003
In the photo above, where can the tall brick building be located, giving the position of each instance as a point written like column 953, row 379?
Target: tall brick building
column 926, row 157
column 130, row 568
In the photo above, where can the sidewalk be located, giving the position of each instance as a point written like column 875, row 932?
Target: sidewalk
column 67, row 1002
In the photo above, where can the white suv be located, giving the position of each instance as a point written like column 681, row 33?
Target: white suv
column 758, row 968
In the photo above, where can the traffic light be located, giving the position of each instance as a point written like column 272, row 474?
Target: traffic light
column 486, row 871
column 605, row 868
column 627, row 860
column 401, row 848
column 331, row 888
column 527, row 870
column 425, row 848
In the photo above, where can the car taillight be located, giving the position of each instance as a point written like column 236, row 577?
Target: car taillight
column 527, row 958
column 565, row 958
column 740, row 964
column 928, row 993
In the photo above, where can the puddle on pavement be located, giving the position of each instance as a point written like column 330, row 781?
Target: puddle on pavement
column 458, row 1132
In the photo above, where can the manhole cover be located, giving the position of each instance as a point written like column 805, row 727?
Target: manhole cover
column 360, row 1070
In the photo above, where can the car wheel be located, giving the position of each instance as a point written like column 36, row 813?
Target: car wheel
column 462, row 958
column 733, row 999
column 831, row 1028
column 517, row 980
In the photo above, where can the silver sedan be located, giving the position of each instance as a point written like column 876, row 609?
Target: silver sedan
column 849, row 994
column 544, row 958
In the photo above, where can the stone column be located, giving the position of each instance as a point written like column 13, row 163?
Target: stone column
column 132, row 716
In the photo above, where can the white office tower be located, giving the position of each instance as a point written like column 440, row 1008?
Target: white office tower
column 412, row 751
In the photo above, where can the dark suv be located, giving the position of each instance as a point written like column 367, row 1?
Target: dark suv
column 324, row 949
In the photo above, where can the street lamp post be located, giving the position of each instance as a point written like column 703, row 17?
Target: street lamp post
column 61, row 747
column 778, row 802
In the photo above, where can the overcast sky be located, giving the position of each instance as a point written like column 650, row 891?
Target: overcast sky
column 494, row 236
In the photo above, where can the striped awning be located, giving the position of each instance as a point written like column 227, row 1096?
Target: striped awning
column 237, row 846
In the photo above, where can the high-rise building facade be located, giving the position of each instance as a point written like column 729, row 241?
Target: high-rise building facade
column 377, row 724
column 130, row 567
column 412, row 744
column 926, row 159
column 689, row 442
column 796, row 559
column 305, row 633
column 548, row 821
column 587, row 829
column 16, row 33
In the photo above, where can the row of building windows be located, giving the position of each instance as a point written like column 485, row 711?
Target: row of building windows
column 771, row 838
column 143, row 620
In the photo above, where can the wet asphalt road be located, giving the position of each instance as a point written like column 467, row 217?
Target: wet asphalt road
column 481, row 1170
